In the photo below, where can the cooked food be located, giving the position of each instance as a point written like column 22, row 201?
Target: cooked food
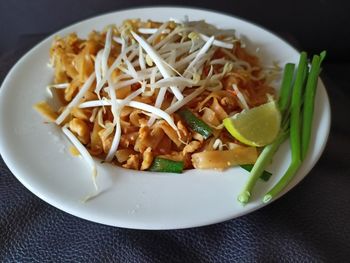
column 153, row 96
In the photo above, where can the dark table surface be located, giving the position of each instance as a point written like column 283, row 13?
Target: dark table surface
column 309, row 224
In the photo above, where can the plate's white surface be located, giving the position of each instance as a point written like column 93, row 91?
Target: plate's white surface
column 38, row 156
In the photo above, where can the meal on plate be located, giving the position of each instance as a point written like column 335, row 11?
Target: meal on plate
column 163, row 96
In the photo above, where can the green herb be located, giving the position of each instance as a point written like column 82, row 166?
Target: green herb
column 195, row 123
column 166, row 166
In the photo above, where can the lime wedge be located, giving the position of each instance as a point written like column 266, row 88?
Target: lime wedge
column 258, row 126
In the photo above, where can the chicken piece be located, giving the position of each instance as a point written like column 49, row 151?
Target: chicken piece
column 143, row 139
column 198, row 137
column 132, row 162
column 123, row 155
column 80, row 128
column 147, row 159
column 127, row 127
column 106, row 135
column 72, row 89
column 143, row 122
column 173, row 155
column 107, row 144
column 210, row 117
column 148, row 138
column 83, row 114
column 128, row 139
column 137, row 118
column 144, row 132
column 191, row 147
column 90, row 95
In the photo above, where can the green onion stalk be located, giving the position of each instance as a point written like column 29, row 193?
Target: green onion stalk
column 300, row 134
column 296, row 123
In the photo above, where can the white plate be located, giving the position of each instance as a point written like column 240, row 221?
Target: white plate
column 37, row 153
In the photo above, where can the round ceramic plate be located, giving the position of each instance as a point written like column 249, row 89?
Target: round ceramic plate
column 37, row 152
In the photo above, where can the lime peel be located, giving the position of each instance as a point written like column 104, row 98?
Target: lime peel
column 257, row 127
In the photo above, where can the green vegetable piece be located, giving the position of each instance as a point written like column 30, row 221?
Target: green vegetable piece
column 300, row 134
column 286, row 88
column 195, row 123
column 295, row 128
column 265, row 176
column 297, row 93
column 267, row 153
column 309, row 102
column 296, row 124
column 166, row 166
column 263, row 160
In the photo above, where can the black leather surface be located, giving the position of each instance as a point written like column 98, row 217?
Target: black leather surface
column 309, row 224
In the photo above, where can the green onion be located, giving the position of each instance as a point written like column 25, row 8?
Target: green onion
column 263, row 160
column 265, row 157
column 265, row 176
column 166, row 166
column 297, row 92
column 295, row 140
column 299, row 131
column 195, row 123
column 310, row 92
column 286, row 88
column 299, row 136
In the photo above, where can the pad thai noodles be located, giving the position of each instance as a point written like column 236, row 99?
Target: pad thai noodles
column 148, row 95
